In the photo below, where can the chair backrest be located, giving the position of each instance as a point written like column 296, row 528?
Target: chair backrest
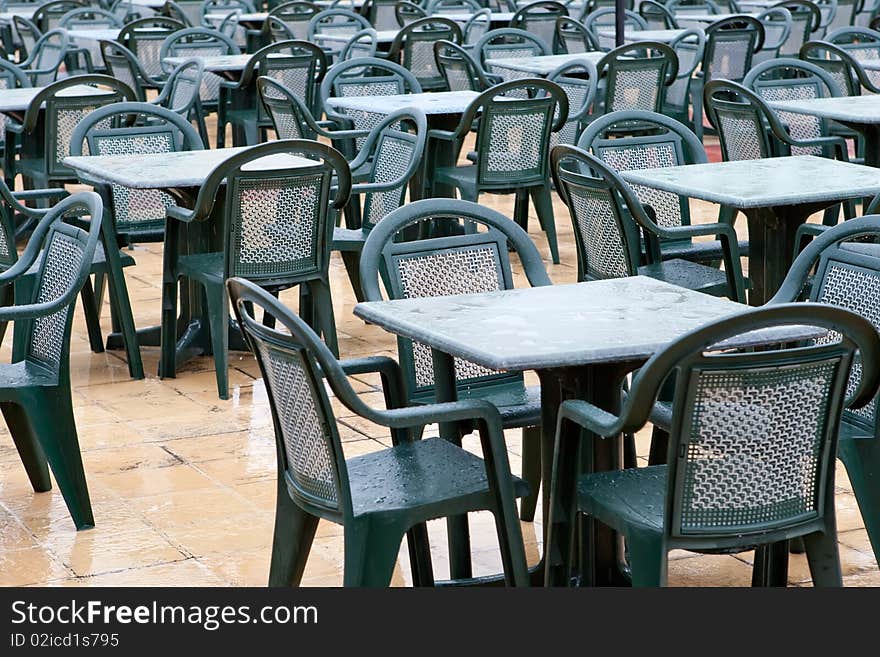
column 407, row 12
column 189, row 18
column 657, row 16
column 793, row 79
column 48, row 16
column 637, row 75
column 144, row 38
column 65, row 255
column 362, row 44
column 223, row 8
column 368, row 76
column 460, row 70
column 199, row 42
column 739, row 117
column 579, row 80
column 805, row 20
column 843, row 16
column 660, row 142
column 435, row 7
column 509, row 43
column 601, row 24
column 476, row 26
column 279, row 216
column 777, row 23
column 730, row 45
column 836, row 62
column 135, row 129
column 688, row 47
column 294, row 16
column 89, row 18
column 47, row 57
column 28, row 34
column 540, row 18
column 181, row 91
column 573, row 36
column 394, row 151
column 729, row 483
column 861, row 44
column 461, row 264
column 298, row 65
column 381, row 14
column 63, row 111
column 516, row 120
column 413, row 48
column 335, row 22
column 123, row 65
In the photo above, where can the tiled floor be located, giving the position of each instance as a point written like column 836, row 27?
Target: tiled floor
column 183, row 484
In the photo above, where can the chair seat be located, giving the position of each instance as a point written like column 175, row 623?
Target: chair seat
column 634, row 497
column 431, row 475
column 24, row 374
column 205, row 267
column 99, row 261
column 519, row 405
column 699, row 251
column 689, row 275
column 466, row 176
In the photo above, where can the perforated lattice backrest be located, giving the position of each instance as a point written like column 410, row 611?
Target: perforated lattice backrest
column 801, row 22
column 800, row 126
column 635, row 153
column 184, row 89
column 63, row 114
column 577, row 91
column 278, row 224
column 308, row 451
column 202, row 47
column 677, row 92
column 8, row 254
column 295, row 71
column 394, row 153
column 470, row 268
column 729, row 54
column 147, row 45
column 751, row 449
column 636, row 85
column 383, row 15
column 418, row 52
column 133, row 208
column 457, row 72
column 741, row 128
column 513, row 140
column 62, row 261
column 854, row 286
column 541, row 23
column 379, row 85
column 122, row 69
column 283, row 115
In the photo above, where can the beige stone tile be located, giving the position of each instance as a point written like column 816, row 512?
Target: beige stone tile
column 29, row 566
column 709, row 570
column 188, row 572
column 141, row 482
column 192, row 510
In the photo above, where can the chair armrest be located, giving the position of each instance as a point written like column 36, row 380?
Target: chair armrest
column 392, row 378
column 592, row 418
column 14, row 126
column 180, row 214
column 448, row 135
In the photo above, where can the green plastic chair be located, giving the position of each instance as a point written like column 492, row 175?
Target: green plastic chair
column 180, row 94
column 579, row 80
column 459, row 68
column 513, row 141
column 277, row 226
column 35, row 395
column 45, row 130
column 508, row 43
column 603, row 19
column 361, row 44
column 463, row 264
column 678, row 100
column 144, row 38
column 657, row 16
column 381, row 14
column 11, row 77
column 573, row 36
column 293, row 18
column 47, row 57
column 298, row 65
column 751, row 448
column 413, row 48
column 840, row 269
column 608, row 218
column 389, row 158
column 336, row 22
column 636, row 76
column 380, row 497
column 661, row 142
column 27, row 36
column 540, row 18
column 408, row 12
column 49, row 14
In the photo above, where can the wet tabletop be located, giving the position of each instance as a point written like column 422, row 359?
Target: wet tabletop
column 709, row 18
column 443, row 102
column 771, row 182
column 169, row 170
column 214, row 62
column 382, row 36
column 254, row 17
column 856, row 109
column 555, row 326
column 458, row 16
column 634, row 36
column 20, row 10
column 96, row 34
column 347, row 4
column 17, row 100
column 543, row 64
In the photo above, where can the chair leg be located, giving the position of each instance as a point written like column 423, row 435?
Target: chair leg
column 50, row 412
column 521, row 209
column 292, row 540
column 659, row 446
column 352, row 261
column 7, row 298
column 218, row 320
column 32, row 457
column 371, row 552
column 647, row 559
column 824, row 557
column 93, row 323
column 420, row 555
column 323, row 312
column 862, row 460
column 531, row 471
column 544, row 206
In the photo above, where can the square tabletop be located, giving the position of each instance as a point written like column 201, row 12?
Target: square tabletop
column 382, row 36
column 464, row 17
column 95, row 34
column 18, row 100
column 252, row 17
column 771, row 182
column 342, row 5
column 711, row 18
column 149, row 3
column 24, row 11
column 543, row 64
column 857, row 109
column 634, row 36
column 169, row 170
column 441, row 102
column 215, row 63
column 615, row 320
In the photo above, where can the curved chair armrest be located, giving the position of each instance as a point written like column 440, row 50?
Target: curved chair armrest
column 448, row 135
column 721, row 230
column 393, row 385
column 594, row 419
column 14, row 126
column 15, row 199
column 180, row 214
